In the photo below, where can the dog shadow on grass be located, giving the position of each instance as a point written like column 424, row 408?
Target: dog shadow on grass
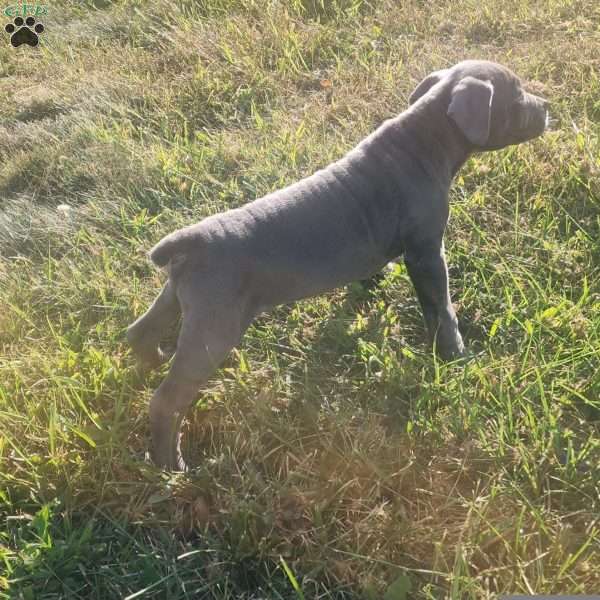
column 359, row 350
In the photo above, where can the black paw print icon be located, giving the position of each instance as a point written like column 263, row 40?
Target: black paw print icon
column 24, row 32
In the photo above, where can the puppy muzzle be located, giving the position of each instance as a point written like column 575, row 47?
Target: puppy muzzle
column 536, row 116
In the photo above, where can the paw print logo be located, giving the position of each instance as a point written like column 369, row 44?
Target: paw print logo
column 24, row 32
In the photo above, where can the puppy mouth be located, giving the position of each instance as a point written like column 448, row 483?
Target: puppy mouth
column 539, row 124
column 531, row 125
column 544, row 120
column 536, row 122
column 550, row 122
column 535, row 118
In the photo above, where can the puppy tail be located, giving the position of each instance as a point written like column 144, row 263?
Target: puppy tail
column 176, row 243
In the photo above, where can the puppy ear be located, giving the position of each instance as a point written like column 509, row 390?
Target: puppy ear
column 427, row 84
column 471, row 108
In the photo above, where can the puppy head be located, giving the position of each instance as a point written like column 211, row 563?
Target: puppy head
column 487, row 103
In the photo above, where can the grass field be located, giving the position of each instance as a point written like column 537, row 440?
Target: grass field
column 334, row 456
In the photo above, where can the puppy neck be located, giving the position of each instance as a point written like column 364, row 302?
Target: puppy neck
column 426, row 132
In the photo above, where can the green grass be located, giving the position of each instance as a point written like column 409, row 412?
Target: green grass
column 334, row 456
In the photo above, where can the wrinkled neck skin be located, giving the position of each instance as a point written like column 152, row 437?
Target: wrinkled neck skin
column 425, row 138
column 439, row 145
column 410, row 161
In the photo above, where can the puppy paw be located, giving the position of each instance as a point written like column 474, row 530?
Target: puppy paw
column 169, row 459
column 450, row 354
column 152, row 359
column 148, row 353
column 449, row 343
column 165, row 427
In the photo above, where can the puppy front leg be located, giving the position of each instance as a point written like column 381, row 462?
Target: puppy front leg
column 427, row 268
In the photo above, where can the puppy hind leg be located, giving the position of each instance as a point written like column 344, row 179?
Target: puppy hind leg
column 203, row 344
column 145, row 334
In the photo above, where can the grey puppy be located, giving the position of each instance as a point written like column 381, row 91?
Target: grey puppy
column 387, row 197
